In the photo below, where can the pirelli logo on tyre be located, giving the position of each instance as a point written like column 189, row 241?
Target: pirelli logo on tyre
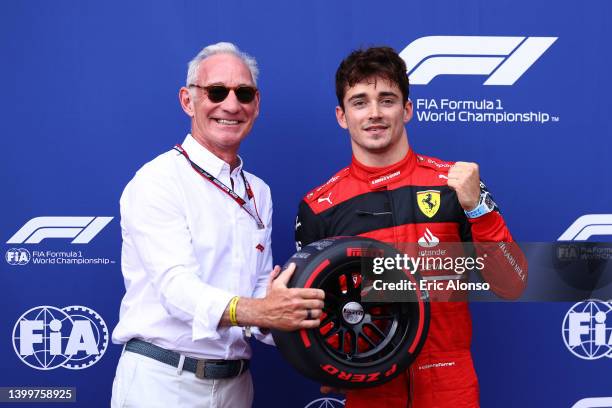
column 365, row 252
column 358, row 378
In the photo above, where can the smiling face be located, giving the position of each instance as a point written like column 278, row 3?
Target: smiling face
column 375, row 114
column 220, row 127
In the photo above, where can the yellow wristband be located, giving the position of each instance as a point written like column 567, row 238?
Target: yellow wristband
column 232, row 310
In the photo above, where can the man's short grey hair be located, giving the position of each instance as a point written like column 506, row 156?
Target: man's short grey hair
column 220, row 48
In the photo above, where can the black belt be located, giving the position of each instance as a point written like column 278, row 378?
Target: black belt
column 213, row 369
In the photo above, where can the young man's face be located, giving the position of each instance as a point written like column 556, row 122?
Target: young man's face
column 374, row 115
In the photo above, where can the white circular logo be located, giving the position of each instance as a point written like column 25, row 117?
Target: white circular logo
column 326, row 403
column 587, row 329
column 46, row 337
column 352, row 312
column 17, row 256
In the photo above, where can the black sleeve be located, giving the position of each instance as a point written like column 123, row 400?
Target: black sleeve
column 308, row 226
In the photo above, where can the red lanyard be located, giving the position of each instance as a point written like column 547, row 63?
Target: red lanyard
column 231, row 193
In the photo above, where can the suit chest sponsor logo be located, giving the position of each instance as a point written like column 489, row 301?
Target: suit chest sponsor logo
column 428, row 202
column 428, row 240
column 384, row 178
column 435, row 163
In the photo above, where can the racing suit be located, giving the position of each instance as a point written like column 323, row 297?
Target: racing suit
column 383, row 203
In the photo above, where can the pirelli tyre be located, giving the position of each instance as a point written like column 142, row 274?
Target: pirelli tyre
column 359, row 343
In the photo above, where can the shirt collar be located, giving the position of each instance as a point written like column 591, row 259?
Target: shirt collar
column 208, row 161
column 381, row 176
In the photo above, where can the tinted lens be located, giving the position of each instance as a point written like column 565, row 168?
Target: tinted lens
column 245, row 94
column 217, row 93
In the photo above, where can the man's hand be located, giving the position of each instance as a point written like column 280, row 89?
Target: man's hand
column 290, row 308
column 328, row 389
column 464, row 179
column 283, row 308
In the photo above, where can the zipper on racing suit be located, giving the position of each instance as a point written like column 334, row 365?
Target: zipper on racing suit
column 396, row 244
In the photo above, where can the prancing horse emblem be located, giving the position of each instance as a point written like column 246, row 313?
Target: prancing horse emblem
column 429, row 202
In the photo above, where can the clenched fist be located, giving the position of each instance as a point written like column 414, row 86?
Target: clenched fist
column 464, row 179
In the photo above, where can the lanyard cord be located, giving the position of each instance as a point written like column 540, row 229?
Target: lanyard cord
column 231, row 193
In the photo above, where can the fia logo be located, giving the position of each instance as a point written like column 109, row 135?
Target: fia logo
column 46, row 337
column 17, row 256
column 587, row 329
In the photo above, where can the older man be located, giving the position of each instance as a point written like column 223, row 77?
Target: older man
column 196, row 254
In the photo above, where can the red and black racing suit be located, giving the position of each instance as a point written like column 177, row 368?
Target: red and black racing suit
column 381, row 203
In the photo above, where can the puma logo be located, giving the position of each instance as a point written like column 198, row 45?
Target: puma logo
column 321, row 199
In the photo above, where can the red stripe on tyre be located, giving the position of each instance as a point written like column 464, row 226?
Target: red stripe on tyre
column 316, row 273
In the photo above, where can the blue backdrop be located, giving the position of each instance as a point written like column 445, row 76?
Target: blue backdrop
column 89, row 94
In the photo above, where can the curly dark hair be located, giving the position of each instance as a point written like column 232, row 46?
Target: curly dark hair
column 361, row 64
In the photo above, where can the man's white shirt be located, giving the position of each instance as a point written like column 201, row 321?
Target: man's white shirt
column 188, row 248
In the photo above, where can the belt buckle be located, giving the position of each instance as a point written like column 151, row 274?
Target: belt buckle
column 201, row 369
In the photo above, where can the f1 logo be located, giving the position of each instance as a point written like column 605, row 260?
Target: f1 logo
column 587, row 226
column 504, row 59
column 601, row 402
column 82, row 229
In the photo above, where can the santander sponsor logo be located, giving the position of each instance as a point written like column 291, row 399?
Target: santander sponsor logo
column 428, row 240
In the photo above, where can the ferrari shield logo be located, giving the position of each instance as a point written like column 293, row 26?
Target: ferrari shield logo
column 429, row 202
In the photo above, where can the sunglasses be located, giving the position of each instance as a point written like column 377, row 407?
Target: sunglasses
column 218, row 93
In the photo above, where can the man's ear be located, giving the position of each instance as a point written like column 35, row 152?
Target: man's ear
column 407, row 111
column 341, row 117
column 186, row 101
column 257, row 102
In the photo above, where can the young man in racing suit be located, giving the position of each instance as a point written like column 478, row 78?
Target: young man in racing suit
column 392, row 194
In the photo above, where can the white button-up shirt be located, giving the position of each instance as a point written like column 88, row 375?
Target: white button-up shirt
column 188, row 248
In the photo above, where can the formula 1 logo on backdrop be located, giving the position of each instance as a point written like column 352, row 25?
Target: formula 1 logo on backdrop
column 46, row 337
column 82, row 229
column 503, row 59
column 598, row 402
column 587, row 329
column 588, row 226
